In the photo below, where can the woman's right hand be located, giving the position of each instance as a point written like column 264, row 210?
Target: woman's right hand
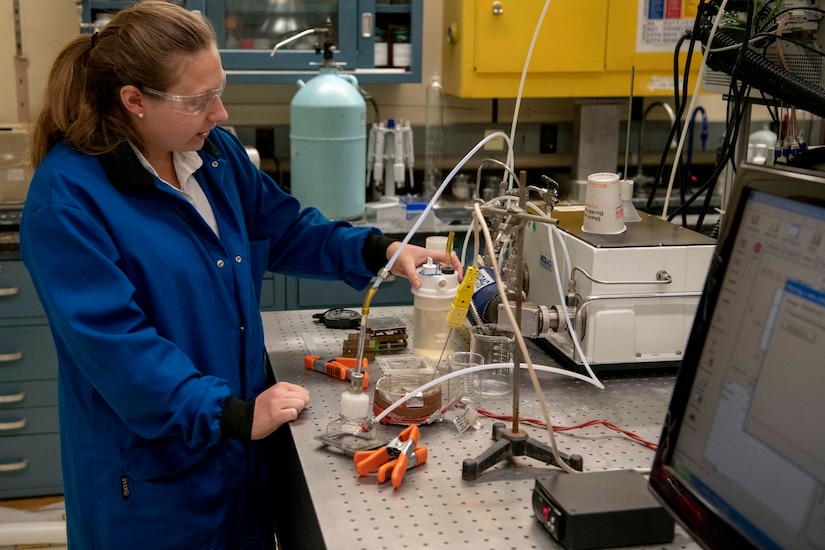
column 276, row 406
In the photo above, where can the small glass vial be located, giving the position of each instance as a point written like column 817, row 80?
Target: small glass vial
column 354, row 402
column 354, row 424
column 401, row 47
column 381, row 49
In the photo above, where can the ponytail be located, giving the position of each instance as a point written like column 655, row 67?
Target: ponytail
column 142, row 45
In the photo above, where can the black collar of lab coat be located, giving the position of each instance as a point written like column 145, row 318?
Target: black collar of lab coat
column 124, row 169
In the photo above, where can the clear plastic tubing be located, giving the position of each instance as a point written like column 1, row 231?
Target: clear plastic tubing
column 478, row 368
column 433, row 200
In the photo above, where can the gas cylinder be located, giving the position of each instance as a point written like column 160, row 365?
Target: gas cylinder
column 328, row 144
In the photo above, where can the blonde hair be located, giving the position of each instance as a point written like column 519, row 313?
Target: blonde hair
column 143, row 45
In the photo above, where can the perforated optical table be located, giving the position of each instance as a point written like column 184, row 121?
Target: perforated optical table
column 325, row 504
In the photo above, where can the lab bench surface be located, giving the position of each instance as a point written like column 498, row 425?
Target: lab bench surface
column 332, row 507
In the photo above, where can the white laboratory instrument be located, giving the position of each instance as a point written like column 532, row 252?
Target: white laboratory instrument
column 632, row 296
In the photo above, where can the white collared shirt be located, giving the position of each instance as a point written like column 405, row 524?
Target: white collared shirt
column 186, row 164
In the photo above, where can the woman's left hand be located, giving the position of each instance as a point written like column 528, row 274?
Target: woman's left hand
column 413, row 256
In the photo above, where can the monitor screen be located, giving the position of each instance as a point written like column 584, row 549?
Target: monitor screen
column 742, row 456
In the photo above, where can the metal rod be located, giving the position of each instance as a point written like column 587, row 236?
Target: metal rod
column 518, row 215
column 665, row 279
column 629, row 114
column 522, row 201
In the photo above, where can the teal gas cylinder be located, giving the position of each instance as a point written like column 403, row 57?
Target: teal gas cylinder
column 328, row 144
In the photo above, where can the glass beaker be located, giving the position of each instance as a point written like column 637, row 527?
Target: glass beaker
column 496, row 344
column 460, row 386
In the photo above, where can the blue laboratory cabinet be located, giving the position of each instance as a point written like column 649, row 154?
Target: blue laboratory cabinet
column 378, row 40
column 29, row 432
column 280, row 292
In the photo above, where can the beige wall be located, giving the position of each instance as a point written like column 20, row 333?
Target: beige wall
column 47, row 24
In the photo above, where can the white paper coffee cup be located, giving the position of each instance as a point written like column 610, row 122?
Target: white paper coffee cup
column 603, row 211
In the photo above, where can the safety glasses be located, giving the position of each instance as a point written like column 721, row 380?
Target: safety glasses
column 189, row 104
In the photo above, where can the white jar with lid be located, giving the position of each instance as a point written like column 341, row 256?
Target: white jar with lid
column 431, row 303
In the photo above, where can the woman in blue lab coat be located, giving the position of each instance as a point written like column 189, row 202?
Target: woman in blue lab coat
column 147, row 232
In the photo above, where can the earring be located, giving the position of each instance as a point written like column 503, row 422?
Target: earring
column 140, row 115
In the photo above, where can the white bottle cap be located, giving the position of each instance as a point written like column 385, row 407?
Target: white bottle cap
column 436, row 243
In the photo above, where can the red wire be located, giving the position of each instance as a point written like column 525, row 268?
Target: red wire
column 605, row 423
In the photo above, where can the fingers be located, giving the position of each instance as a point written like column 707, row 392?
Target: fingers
column 412, row 257
column 456, row 263
column 276, row 406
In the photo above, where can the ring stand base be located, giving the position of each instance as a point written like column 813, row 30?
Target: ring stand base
column 509, row 444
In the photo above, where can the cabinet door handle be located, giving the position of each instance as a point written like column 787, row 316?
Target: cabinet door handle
column 10, row 291
column 9, row 357
column 13, row 398
column 366, row 25
column 14, row 466
column 13, row 425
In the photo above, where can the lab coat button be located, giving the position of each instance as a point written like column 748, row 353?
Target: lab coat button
column 220, row 263
column 214, row 164
column 238, row 259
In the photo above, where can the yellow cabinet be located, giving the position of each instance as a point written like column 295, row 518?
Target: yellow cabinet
column 586, row 48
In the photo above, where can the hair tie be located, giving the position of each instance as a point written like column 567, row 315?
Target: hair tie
column 94, row 38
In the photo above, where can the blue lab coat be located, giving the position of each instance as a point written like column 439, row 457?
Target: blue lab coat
column 156, row 323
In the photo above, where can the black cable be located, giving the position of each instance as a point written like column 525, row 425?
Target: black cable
column 739, row 107
column 752, row 68
column 727, row 148
column 680, row 108
column 755, row 70
column 680, row 103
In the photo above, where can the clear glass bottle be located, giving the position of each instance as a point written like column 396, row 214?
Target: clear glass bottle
column 433, row 135
column 353, row 429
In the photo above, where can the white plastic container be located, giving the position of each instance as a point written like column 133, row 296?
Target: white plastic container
column 431, row 303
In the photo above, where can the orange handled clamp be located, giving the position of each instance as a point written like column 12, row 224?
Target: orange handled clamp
column 339, row 367
column 394, row 459
column 419, row 456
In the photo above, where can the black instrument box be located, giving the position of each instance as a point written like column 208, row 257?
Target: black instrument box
column 600, row 510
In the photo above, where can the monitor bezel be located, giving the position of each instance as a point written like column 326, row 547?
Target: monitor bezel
column 692, row 512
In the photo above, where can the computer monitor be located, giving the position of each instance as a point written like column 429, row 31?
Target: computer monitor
column 741, row 458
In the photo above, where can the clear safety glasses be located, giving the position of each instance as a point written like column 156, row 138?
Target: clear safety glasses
column 189, row 104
